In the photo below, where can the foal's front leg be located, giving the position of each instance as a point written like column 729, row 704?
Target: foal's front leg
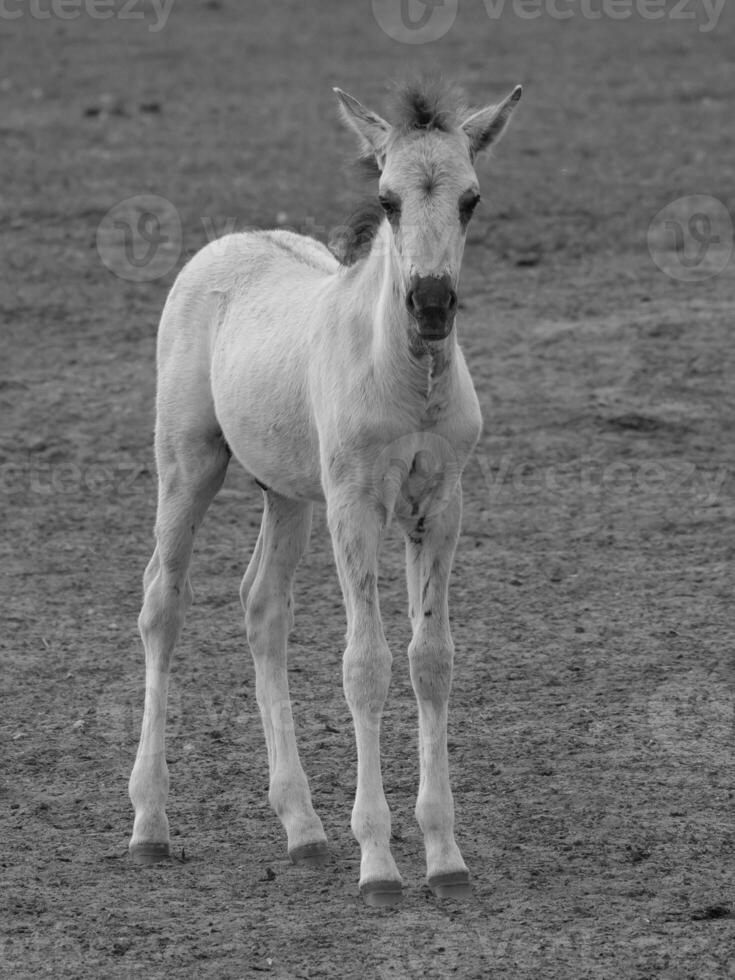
column 430, row 545
column 366, row 674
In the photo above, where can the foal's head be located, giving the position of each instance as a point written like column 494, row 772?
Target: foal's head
column 428, row 188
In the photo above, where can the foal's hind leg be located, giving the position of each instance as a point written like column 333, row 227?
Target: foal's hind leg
column 267, row 601
column 188, row 480
column 430, row 545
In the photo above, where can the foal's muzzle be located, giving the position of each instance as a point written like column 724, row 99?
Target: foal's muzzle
column 432, row 302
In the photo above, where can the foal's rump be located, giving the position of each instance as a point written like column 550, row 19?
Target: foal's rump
column 233, row 352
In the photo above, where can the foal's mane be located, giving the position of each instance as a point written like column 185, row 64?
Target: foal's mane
column 423, row 104
column 352, row 241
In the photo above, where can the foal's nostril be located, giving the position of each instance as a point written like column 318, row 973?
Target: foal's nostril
column 430, row 292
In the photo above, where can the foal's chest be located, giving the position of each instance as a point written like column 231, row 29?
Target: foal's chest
column 418, row 472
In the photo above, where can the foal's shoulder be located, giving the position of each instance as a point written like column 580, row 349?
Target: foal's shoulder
column 302, row 248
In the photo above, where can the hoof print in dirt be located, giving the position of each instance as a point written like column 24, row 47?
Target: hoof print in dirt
column 712, row 912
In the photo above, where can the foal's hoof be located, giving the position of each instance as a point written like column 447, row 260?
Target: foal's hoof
column 453, row 884
column 310, row 855
column 149, row 853
column 381, row 894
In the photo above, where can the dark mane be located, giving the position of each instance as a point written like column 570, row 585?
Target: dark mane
column 351, row 242
column 427, row 104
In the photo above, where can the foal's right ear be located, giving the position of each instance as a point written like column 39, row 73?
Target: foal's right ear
column 485, row 127
column 371, row 129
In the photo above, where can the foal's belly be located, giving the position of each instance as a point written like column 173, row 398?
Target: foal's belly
column 272, row 442
column 276, row 460
column 261, row 406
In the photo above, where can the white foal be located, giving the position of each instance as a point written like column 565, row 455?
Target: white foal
column 334, row 379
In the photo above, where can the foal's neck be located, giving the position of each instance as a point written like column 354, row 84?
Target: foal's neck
column 397, row 346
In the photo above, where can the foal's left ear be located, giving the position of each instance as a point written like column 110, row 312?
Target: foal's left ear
column 485, row 127
column 371, row 129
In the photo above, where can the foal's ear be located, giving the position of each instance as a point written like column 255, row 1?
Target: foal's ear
column 371, row 129
column 485, row 127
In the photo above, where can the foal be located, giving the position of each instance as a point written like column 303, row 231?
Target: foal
column 337, row 381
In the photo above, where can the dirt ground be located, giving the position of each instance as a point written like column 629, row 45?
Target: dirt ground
column 593, row 710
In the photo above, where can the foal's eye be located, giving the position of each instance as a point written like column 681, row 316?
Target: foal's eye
column 467, row 204
column 391, row 204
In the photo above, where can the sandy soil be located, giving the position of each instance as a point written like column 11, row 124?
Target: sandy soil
column 593, row 710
